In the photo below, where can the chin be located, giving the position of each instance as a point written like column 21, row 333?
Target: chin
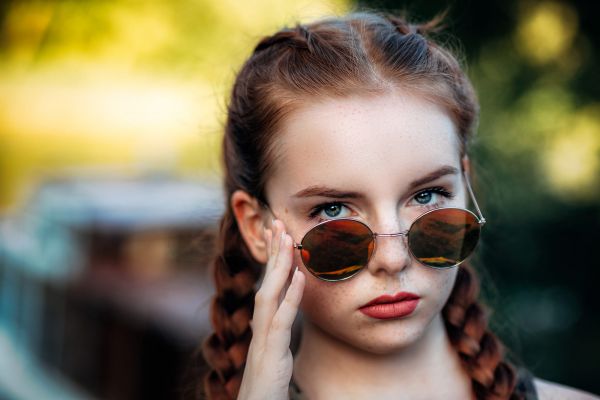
column 377, row 337
column 388, row 337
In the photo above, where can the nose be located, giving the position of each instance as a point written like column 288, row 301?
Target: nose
column 391, row 254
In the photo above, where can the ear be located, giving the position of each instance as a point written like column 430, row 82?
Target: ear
column 466, row 165
column 251, row 223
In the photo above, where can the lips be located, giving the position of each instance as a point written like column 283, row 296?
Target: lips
column 387, row 307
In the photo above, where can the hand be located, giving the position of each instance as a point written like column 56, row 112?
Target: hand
column 269, row 363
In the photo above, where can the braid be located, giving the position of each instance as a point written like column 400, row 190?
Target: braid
column 235, row 276
column 480, row 350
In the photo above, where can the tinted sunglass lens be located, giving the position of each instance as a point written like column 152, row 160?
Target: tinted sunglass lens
column 444, row 238
column 337, row 249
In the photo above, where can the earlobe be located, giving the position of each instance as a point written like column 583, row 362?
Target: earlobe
column 248, row 214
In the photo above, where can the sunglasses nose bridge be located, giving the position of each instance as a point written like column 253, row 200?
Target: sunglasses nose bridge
column 405, row 233
column 378, row 235
column 391, row 260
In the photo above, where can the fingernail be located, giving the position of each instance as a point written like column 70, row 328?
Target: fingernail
column 282, row 237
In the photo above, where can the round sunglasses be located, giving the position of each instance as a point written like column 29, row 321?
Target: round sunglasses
column 338, row 249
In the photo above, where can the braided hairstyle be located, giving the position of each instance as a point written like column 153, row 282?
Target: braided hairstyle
column 362, row 52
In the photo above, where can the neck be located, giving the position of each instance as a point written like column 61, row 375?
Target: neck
column 327, row 367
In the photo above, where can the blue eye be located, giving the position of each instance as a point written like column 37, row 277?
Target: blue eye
column 328, row 210
column 432, row 196
column 332, row 210
column 423, row 197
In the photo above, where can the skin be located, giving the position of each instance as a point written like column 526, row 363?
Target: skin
column 377, row 147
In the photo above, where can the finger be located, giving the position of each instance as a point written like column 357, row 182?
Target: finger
column 267, row 297
column 268, row 237
column 272, row 231
column 287, row 283
column 280, row 331
column 279, row 272
column 276, row 243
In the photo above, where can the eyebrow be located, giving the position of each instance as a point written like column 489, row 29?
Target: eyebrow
column 324, row 191
column 438, row 173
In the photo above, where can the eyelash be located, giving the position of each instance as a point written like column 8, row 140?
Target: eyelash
column 435, row 190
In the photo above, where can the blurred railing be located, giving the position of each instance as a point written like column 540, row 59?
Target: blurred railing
column 104, row 286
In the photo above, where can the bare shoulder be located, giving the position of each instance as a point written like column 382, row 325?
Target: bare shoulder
column 549, row 391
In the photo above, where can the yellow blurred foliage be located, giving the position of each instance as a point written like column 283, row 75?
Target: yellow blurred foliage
column 572, row 158
column 546, row 30
column 130, row 86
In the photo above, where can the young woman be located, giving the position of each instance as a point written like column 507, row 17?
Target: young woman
column 348, row 200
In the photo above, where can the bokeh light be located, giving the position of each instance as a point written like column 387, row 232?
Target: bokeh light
column 546, row 30
column 572, row 158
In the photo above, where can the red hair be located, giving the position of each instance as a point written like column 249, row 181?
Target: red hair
column 360, row 53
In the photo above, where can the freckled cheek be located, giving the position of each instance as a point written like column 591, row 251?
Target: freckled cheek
column 323, row 301
column 440, row 285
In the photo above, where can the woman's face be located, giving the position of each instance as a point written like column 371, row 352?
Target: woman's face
column 383, row 160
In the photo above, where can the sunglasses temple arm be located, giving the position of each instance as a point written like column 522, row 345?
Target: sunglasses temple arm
column 468, row 182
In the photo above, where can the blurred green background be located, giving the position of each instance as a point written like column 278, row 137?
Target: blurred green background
column 132, row 89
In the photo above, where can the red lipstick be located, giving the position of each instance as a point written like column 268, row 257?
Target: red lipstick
column 387, row 307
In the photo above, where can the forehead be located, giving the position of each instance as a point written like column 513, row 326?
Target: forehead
column 362, row 143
